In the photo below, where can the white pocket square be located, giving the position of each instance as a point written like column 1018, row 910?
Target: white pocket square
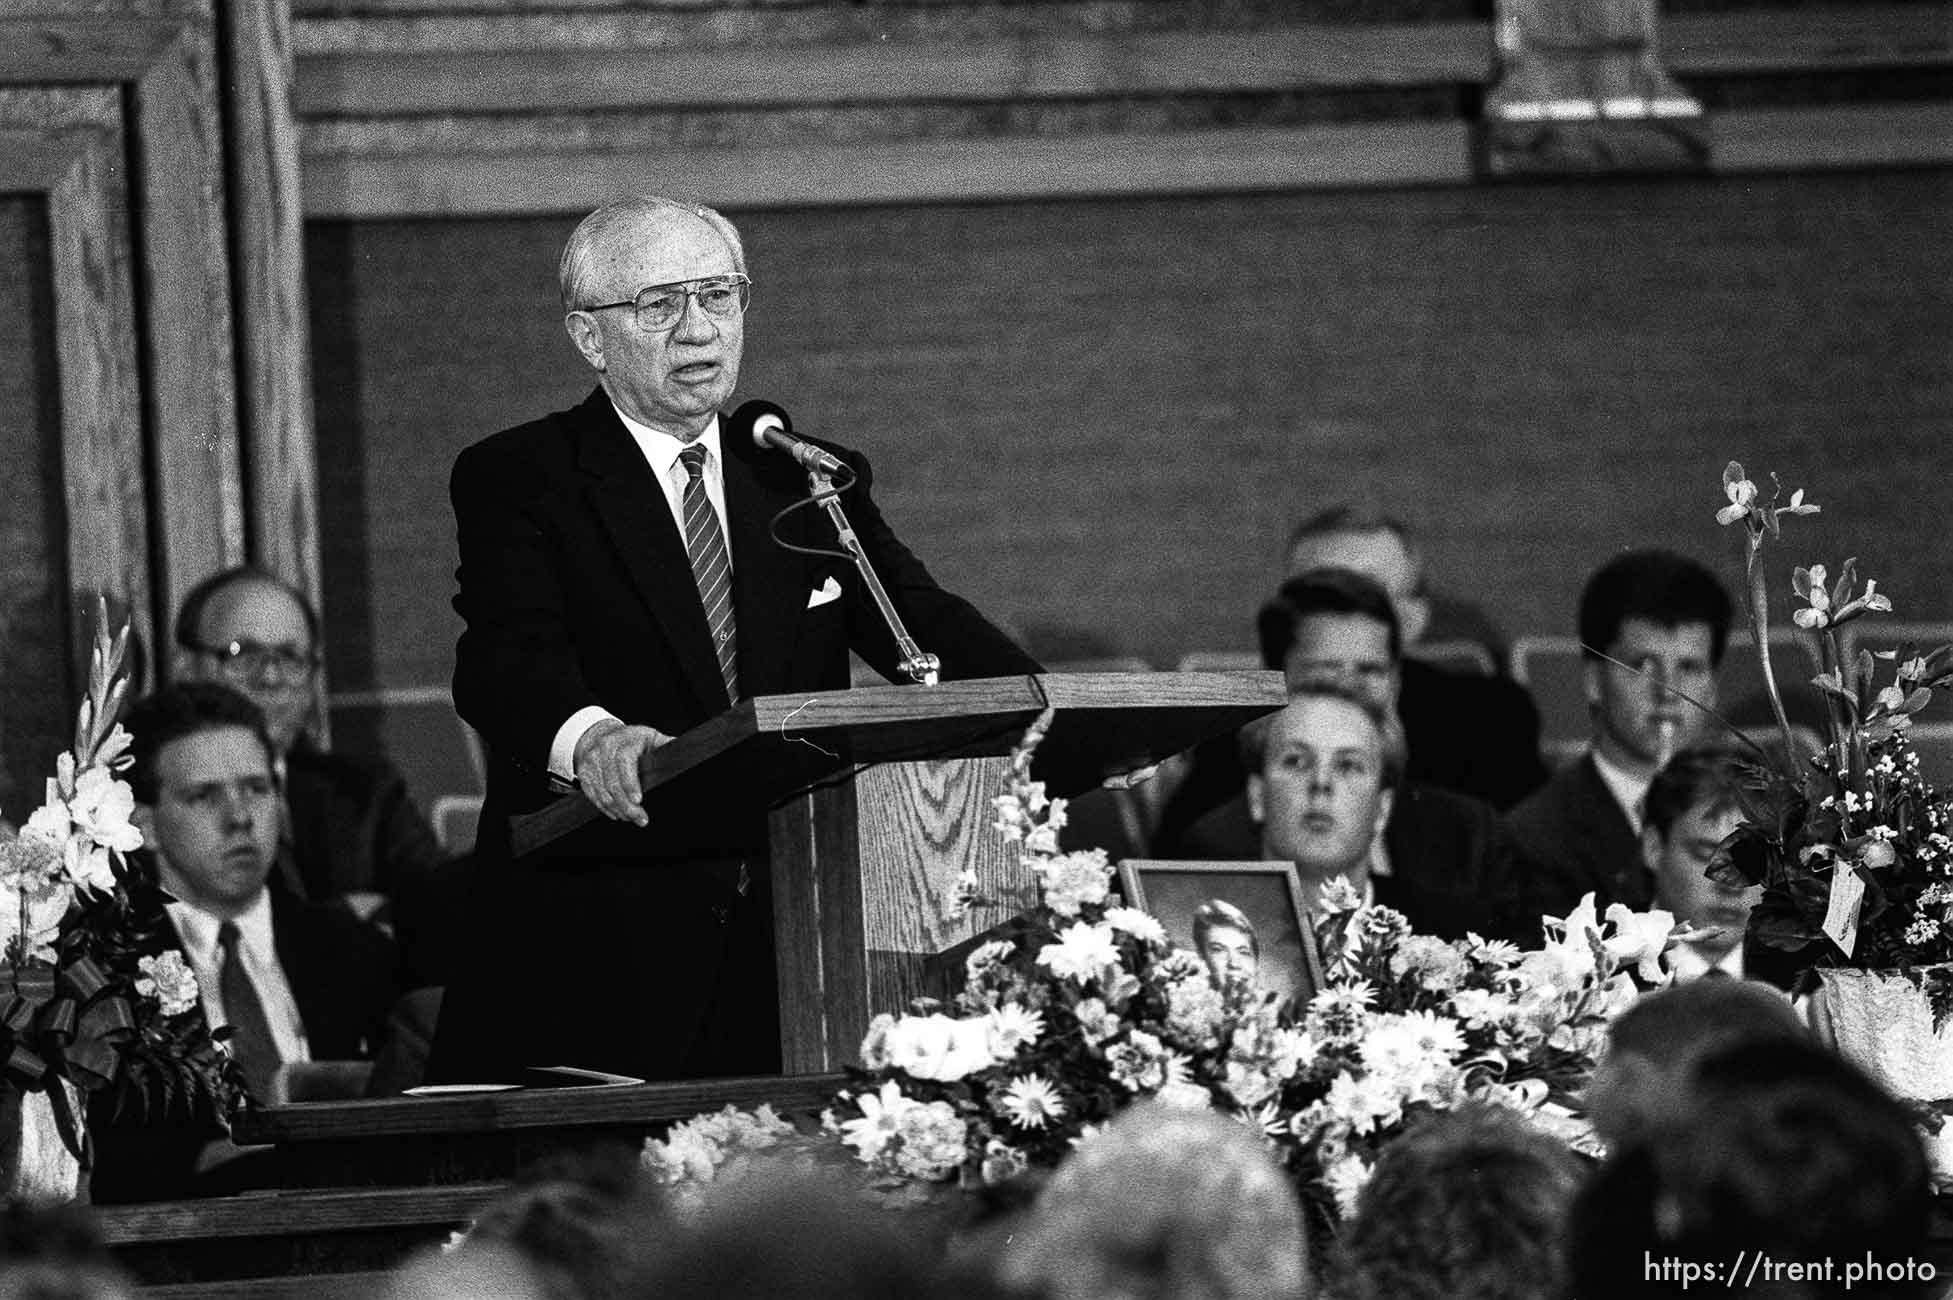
column 829, row 590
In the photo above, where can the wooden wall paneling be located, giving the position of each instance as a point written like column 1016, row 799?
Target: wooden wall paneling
column 186, row 279
column 1798, row 139
column 66, row 144
column 275, row 400
column 159, row 63
column 452, row 70
column 484, row 66
column 564, row 179
column 524, row 108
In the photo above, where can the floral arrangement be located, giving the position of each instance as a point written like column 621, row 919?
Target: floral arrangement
column 1087, row 1007
column 93, row 991
column 1851, row 844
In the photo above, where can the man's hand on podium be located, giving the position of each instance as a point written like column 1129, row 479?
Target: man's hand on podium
column 1127, row 780
column 607, row 758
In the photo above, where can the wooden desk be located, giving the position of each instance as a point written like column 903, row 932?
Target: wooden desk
column 492, row 1136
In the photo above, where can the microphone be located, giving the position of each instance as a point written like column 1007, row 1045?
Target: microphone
column 770, row 427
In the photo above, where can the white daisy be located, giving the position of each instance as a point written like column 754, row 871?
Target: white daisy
column 1031, row 1102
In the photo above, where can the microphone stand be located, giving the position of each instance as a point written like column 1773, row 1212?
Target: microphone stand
column 919, row 666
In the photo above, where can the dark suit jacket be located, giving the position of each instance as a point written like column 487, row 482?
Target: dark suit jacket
column 603, row 949
column 343, row 973
column 1572, row 837
column 1451, row 870
column 355, row 829
column 1476, row 734
column 353, row 826
column 342, row 976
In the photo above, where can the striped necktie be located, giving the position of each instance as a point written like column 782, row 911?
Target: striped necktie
column 252, row 1046
column 711, row 567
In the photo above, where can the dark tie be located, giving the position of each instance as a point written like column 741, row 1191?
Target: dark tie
column 711, row 567
column 252, row 1045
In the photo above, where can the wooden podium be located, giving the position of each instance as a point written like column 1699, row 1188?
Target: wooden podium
column 877, row 799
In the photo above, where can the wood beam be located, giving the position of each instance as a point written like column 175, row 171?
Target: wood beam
column 559, row 180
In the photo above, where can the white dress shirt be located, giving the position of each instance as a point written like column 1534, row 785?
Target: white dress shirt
column 1690, row 963
column 1629, row 791
column 660, row 451
column 198, row 931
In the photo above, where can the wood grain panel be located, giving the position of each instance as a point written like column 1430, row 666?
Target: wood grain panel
column 1778, row 140
column 922, row 825
column 530, row 60
column 193, row 389
column 275, row 401
column 403, row 80
column 376, row 185
column 280, row 1213
column 34, row 654
column 67, row 144
column 379, row 1119
column 80, row 47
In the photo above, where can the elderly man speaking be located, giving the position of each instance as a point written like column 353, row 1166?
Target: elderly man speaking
column 619, row 585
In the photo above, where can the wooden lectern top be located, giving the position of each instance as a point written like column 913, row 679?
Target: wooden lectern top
column 773, row 746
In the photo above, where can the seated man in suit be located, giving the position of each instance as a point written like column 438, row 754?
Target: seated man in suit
column 350, row 831
column 1653, row 625
column 296, row 981
column 1476, row 733
column 1690, row 810
column 1322, row 779
column 1337, row 627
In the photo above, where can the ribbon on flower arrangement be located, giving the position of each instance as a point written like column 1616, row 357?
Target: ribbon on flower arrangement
column 83, row 978
column 92, row 1055
column 31, row 988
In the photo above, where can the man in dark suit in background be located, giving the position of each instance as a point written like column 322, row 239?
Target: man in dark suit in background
column 1335, row 628
column 620, row 586
column 1661, row 621
column 1473, row 732
column 351, row 832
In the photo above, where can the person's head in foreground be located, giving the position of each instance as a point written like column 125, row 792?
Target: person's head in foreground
column 1654, row 1046
column 789, row 1237
column 206, row 794
column 1169, row 1204
column 1691, row 808
column 1225, row 939
column 1653, row 625
column 579, row 1222
column 56, row 1252
column 1469, row 1202
column 1320, row 778
column 1781, row 1151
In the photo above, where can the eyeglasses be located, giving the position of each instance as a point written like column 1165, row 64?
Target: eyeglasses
column 257, row 662
column 722, row 297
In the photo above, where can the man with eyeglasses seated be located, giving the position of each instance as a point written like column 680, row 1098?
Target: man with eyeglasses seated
column 350, row 831
column 621, row 583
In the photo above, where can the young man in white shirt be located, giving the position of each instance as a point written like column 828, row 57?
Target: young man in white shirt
column 295, row 981
column 1654, row 625
column 1690, row 809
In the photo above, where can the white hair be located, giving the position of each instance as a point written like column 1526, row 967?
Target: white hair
column 573, row 272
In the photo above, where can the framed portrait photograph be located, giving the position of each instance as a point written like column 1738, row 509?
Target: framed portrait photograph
column 1244, row 919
